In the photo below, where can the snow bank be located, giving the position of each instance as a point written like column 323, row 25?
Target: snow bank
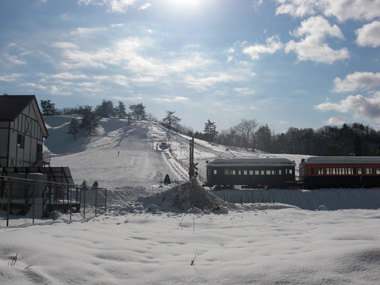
column 321, row 199
column 189, row 196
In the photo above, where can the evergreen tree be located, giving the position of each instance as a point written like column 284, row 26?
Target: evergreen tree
column 171, row 120
column 48, row 108
column 89, row 120
column 210, row 131
column 264, row 138
column 73, row 128
column 105, row 110
column 120, row 110
column 138, row 111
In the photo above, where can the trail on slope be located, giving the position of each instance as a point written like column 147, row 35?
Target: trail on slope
column 123, row 157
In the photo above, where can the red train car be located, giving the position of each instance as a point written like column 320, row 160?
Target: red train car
column 340, row 172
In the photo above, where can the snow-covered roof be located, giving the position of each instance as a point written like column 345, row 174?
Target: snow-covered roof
column 251, row 162
column 342, row 159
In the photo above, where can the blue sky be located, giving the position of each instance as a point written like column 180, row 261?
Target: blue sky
column 285, row 63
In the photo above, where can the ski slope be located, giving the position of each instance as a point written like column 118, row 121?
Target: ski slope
column 117, row 150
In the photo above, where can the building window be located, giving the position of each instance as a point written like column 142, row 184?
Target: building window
column 20, row 141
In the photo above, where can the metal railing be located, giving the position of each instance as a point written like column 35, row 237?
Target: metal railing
column 41, row 199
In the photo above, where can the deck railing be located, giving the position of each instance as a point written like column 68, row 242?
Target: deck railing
column 41, row 199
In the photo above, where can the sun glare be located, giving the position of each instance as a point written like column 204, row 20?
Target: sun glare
column 186, row 4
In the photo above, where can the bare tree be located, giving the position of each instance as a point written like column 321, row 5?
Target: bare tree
column 246, row 129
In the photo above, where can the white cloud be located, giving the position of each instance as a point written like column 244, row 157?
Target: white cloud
column 336, row 121
column 10, row 77
column 244, row 91
column 363, row 107
column 113, row 6
column 341, row 9
column 64, row 45
column 369, row 35
column 312, row 46
column 145, row 6
column 206, row 81
column 273, row 44
column 68, row 76
column 357, row 80
column 297, row 8
column 352, row 9
column 173, row 99
column 87, row 31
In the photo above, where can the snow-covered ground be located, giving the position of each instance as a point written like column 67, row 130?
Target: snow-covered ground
column 260, row 243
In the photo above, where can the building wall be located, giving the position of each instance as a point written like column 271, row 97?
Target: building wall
column 25, row 135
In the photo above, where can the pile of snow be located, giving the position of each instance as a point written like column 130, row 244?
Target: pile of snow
column 187, row 197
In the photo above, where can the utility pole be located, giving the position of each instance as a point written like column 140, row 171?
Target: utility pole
column 191, row 166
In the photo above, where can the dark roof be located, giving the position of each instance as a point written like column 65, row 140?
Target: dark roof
column 12, row 106
column 273, row 161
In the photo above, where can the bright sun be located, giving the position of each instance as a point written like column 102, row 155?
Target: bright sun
column 186, row 3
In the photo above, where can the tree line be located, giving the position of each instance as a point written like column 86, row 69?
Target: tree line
column 347, row 140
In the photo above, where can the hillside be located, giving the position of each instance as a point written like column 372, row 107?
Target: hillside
column 125, row 160
column 119, row 155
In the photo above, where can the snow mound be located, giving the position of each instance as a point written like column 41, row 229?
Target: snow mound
column 187, row 197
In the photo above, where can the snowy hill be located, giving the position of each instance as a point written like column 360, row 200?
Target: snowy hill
column 119, row 155
column 125, row 159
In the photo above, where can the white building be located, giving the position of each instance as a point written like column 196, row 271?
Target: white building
column 22, row 131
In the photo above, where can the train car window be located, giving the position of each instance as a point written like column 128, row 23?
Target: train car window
column 312, row 171
column 257, row 172
column 360, row 170
column 233, row 172
column 320, row 171
column 268, row 172
column 290, row 171
column 251, row 172
column 239, row 172
column 226, row 171
column 377, row 170
column 279, row 172
column 354, row 171
column 215, row 172
column 368, row 170
column 273, row 172
column 262, row 172
column 245, row 172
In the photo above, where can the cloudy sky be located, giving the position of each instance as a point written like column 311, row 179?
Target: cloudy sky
column 285, row 63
